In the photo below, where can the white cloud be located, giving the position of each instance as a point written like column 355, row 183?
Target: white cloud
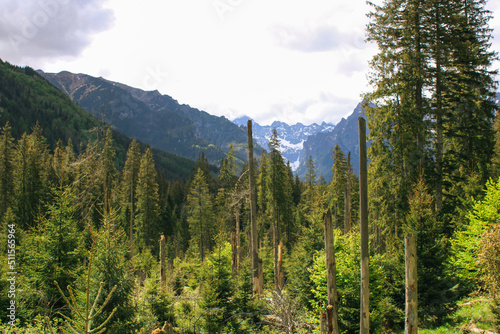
column 39, row 30
column 293, row 61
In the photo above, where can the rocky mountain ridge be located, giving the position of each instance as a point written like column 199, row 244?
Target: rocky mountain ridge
column 292, row 137
column 153, row 118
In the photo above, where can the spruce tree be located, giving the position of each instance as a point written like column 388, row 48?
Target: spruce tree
column 7, row 154
column 58, row 236
column 432, row 89
column 107, row 169
column 111, row 269
column 217, row 291
column 128, row 189
column 31, row 177
column 147, row 210
column 338, row 186
column 200, row 215
column 280, row 199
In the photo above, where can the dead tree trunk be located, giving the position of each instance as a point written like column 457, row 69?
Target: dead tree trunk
column 234, row 254
column 163, row 271
column 254, row 259
column 281, row 273
column 363, row 214
column 347, row 199
column 260, row 278
column 411, row 311
column 331, row 280
column 238, row 245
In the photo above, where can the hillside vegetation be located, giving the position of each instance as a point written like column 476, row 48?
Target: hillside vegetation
column 98, row 238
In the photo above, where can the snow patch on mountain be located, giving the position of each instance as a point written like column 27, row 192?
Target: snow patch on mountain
column 291, row 137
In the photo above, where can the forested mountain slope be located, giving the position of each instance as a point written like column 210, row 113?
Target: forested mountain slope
column 27, row 99
column 153, row 118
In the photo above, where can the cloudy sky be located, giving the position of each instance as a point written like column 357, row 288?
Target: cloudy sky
column 295, row 61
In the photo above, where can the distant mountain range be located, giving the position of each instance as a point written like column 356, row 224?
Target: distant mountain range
column 162, row 122
column 320, row 146
column 299, row 141
column 27, row 99
column 153, row 118
column 292, row 137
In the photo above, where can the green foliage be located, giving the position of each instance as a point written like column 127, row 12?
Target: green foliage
column 466, row 243
column 386, row 286
column 111, row 268
column 338, row 186
column 200, row 215
column 217, row 289
column 6, row 170
column 162, row 304
column 147, row 210
column 83, row 316
column 61, row 240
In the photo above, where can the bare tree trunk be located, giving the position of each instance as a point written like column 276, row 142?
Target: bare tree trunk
column 254, row 260
column 331, row 272
column 347, row 200
column 281, row 274
column 363, row 208
column 238, row 246
column 260, row 278
column 411, row 311
column 234, row 254
column 163, row 271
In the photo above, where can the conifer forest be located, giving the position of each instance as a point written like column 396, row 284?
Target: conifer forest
column 103, row 234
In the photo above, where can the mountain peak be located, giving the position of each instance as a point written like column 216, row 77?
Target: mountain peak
column 243, row 120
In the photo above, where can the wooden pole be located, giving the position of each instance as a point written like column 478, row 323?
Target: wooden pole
column 363, row 214
column 260, row 278
column 281, row 274
column 411, row 309
column 323, row 322
column 162, row 262
column 331, row 272
column 254, row 252
column 234, row 253
column 347, row 199
column 238, row 246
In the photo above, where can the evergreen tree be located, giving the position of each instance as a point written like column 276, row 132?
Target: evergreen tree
column 218, row 289
column 310, row 177
column 495, row 166
column 31, row 177
column 432, row 90
column 108, row 171
column 129, row 189
column 338, row 186
column 7, row 155
column 468, row 104
column 280, row 200
column 264, row 213
column 200, row 215
column 89, row 185
column 111, row 269
column 61, row 164
column 58, row 236
column 147, row 210
column 227, row 172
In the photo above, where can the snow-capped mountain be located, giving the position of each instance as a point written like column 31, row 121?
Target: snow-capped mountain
column 292, row 137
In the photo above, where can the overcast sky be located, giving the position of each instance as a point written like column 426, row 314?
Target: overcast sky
column 294, row 61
